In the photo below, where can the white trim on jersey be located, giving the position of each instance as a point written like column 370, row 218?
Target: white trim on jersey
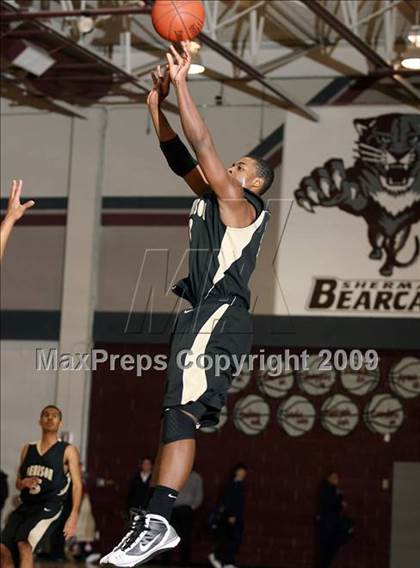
column 40, row 529
column 194, row 380
column 234, row 241
column 66, row 487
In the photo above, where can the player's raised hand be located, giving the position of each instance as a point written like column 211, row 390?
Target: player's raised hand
column 179, row 64
column 161, row 84
column 15, row 209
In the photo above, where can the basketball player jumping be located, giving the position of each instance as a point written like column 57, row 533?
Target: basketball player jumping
column 47, row 468
column 227, row 223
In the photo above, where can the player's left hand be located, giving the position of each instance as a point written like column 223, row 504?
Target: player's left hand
column 179, row 64
column 161, row 84
column 70, row 526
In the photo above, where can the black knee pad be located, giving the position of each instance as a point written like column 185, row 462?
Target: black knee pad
column 177, row 425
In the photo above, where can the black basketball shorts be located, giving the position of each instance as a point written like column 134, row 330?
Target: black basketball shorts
column 31, row 523
column 207, row 343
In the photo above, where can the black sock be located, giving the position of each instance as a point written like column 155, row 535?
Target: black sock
column 162, row 501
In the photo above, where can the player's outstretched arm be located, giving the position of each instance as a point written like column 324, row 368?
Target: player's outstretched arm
column 235, row 210
column 15, row 210
column 179, row 159
column 72, row 458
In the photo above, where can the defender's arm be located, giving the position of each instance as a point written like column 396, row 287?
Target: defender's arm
column 14, row 212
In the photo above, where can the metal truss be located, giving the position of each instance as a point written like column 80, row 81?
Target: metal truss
column 360, row 44
column 240, row 30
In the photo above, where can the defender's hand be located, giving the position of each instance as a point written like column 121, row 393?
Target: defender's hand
column 179, row 64
column 15, row 209
column 326, row 186
column 161, row 84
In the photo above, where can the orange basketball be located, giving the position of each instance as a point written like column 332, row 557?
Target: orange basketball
column 178, row 20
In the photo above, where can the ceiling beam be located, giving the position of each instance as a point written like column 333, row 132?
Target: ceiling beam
column 379, row 12
column 24, row 94
column 91, row 55
column 371, row 55
column 258, row 76
column 283, row 60
column 243, row 86
column 48, row 14
column 239, row 15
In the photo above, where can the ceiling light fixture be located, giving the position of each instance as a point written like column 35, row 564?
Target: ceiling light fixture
column 31, row 57
column 410, row 59
column 85, row 24
column 196, row 66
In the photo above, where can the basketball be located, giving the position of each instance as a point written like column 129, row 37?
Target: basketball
column 241, row 380
column 339, row 415
column 178, row 20
column 383, row 414
column 315, row 381
column 404, row 378
column 275, row 386
column 360, row 382
column 251, row 415
column 296, row 415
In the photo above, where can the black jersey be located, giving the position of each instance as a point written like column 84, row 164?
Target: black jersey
column 49, row 468
column 221, row 259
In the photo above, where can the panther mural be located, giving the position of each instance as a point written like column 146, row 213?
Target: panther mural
column 383, row 185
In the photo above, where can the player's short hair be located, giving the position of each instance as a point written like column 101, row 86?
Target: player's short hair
column 52, row 406
column 264, row 171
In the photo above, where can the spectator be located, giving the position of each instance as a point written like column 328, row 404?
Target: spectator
column 335, row 528
column 230, row 520
column 138, row 489
column 4, row 489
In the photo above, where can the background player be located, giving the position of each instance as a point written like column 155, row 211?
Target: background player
column 47, row 468
column 226, row 227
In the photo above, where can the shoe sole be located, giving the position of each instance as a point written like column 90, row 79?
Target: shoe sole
column 173, row 543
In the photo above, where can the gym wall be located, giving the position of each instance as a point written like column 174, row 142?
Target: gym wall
column 284, row 471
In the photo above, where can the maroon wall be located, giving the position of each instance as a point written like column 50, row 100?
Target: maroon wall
column 284, row 472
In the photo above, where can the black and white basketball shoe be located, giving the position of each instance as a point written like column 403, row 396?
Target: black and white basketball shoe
column 147, row 536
